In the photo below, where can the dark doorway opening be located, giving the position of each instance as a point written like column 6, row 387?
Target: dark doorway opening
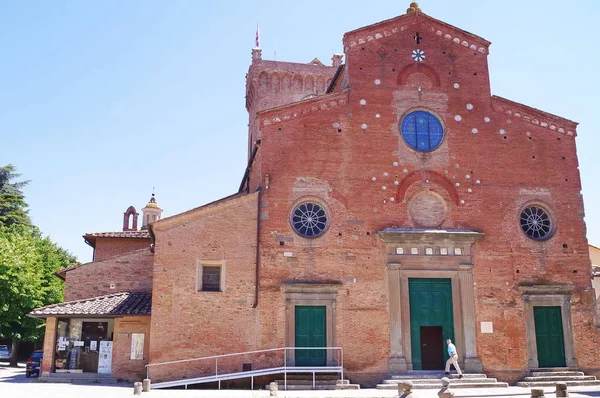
column 432, row 348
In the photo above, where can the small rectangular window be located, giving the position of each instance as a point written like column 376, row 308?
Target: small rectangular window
column 210, row 275
column 211, row 279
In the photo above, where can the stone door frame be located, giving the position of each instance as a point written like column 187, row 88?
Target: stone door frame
column 426, row 260
column 548, row 296
column 310, row 294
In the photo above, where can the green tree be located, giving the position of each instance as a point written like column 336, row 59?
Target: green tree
column 13, row 208
column 28, row 262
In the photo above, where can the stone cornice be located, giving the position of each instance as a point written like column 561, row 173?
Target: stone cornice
column 545, row 289
column 417, row 236
column 301, row 108
column 310, row 287
column 534, row 116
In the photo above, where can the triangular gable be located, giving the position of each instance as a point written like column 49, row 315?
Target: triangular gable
column 61, row 273
column 197, row 212
column 316, row 61
column 398, row 24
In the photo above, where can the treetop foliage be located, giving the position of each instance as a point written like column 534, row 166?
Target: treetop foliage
column 28, row 262
column 13, row 208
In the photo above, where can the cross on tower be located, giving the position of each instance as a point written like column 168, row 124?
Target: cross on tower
column 418, row 38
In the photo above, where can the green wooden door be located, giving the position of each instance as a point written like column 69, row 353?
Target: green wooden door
column 430, row 305
column 310, row 332
column 549, row 337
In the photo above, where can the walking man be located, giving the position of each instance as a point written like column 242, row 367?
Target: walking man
column 453, row 359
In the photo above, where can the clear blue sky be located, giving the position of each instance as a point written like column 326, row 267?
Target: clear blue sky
column 102, row 100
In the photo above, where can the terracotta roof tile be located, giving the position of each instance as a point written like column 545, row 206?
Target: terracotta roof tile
column 119, row 234
column 116, row 304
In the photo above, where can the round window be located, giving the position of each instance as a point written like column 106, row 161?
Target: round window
column 536, row 222
column 309, row 219
column 422, row 131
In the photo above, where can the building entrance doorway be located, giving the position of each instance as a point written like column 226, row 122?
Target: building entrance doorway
column 310, row 332
column 432, row 347
column 549, row 336
column 431, row 321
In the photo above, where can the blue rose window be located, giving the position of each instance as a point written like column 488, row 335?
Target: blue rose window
column 422, row 131
column 309, row 220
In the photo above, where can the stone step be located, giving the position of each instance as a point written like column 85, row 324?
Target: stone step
column 307, row 384
column 322, row 382
column 471, row 380
column 318, row 376
column 438, row 384
column 558, row 378
column 437, row 375
column 576, row 383
column 563, row 373
column 79, row 378
column 302, row 387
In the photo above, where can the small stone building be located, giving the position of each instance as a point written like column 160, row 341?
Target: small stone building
column 390, row 202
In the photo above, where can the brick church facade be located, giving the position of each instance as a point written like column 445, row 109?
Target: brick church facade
column 390, row 202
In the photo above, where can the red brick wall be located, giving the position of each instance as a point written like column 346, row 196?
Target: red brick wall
column 109, row 247
column 319, row 149
column 535, row 160
column 128, row 272
column 49, row 345
column 122, row 365
column 187, row 323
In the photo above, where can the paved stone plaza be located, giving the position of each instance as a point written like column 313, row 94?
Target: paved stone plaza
column 14, row 384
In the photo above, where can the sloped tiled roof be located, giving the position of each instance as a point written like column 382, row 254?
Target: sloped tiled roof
column 116, row 304
column 90, row 237
column 120, row 234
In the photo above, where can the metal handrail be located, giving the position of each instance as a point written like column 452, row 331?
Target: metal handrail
column 340, row 361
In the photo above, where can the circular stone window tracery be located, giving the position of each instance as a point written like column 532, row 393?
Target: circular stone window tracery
column 309, row 219
column 536, row 222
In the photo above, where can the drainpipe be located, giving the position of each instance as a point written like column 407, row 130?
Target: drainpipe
column 246, row 177
column 257, row 247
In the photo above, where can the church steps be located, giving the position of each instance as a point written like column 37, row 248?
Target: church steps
column 560, row 373
column 437, row 375
column 438, row 385
column 430, row 380
column 557, row 378
column 416, row 382
column 297, row 384
column 549, row 379
column 570, row 383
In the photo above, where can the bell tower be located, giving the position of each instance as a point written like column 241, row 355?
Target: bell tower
column 151, row 212
column 130, row 219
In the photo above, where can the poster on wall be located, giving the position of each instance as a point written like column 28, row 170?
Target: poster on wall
column 105, row 357
column 137, row 346
column 93, row 345
column 73, row 359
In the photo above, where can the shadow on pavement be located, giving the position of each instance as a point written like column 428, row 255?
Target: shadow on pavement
column 10, row 374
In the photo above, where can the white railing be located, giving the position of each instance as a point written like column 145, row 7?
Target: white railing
column 332, row 366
